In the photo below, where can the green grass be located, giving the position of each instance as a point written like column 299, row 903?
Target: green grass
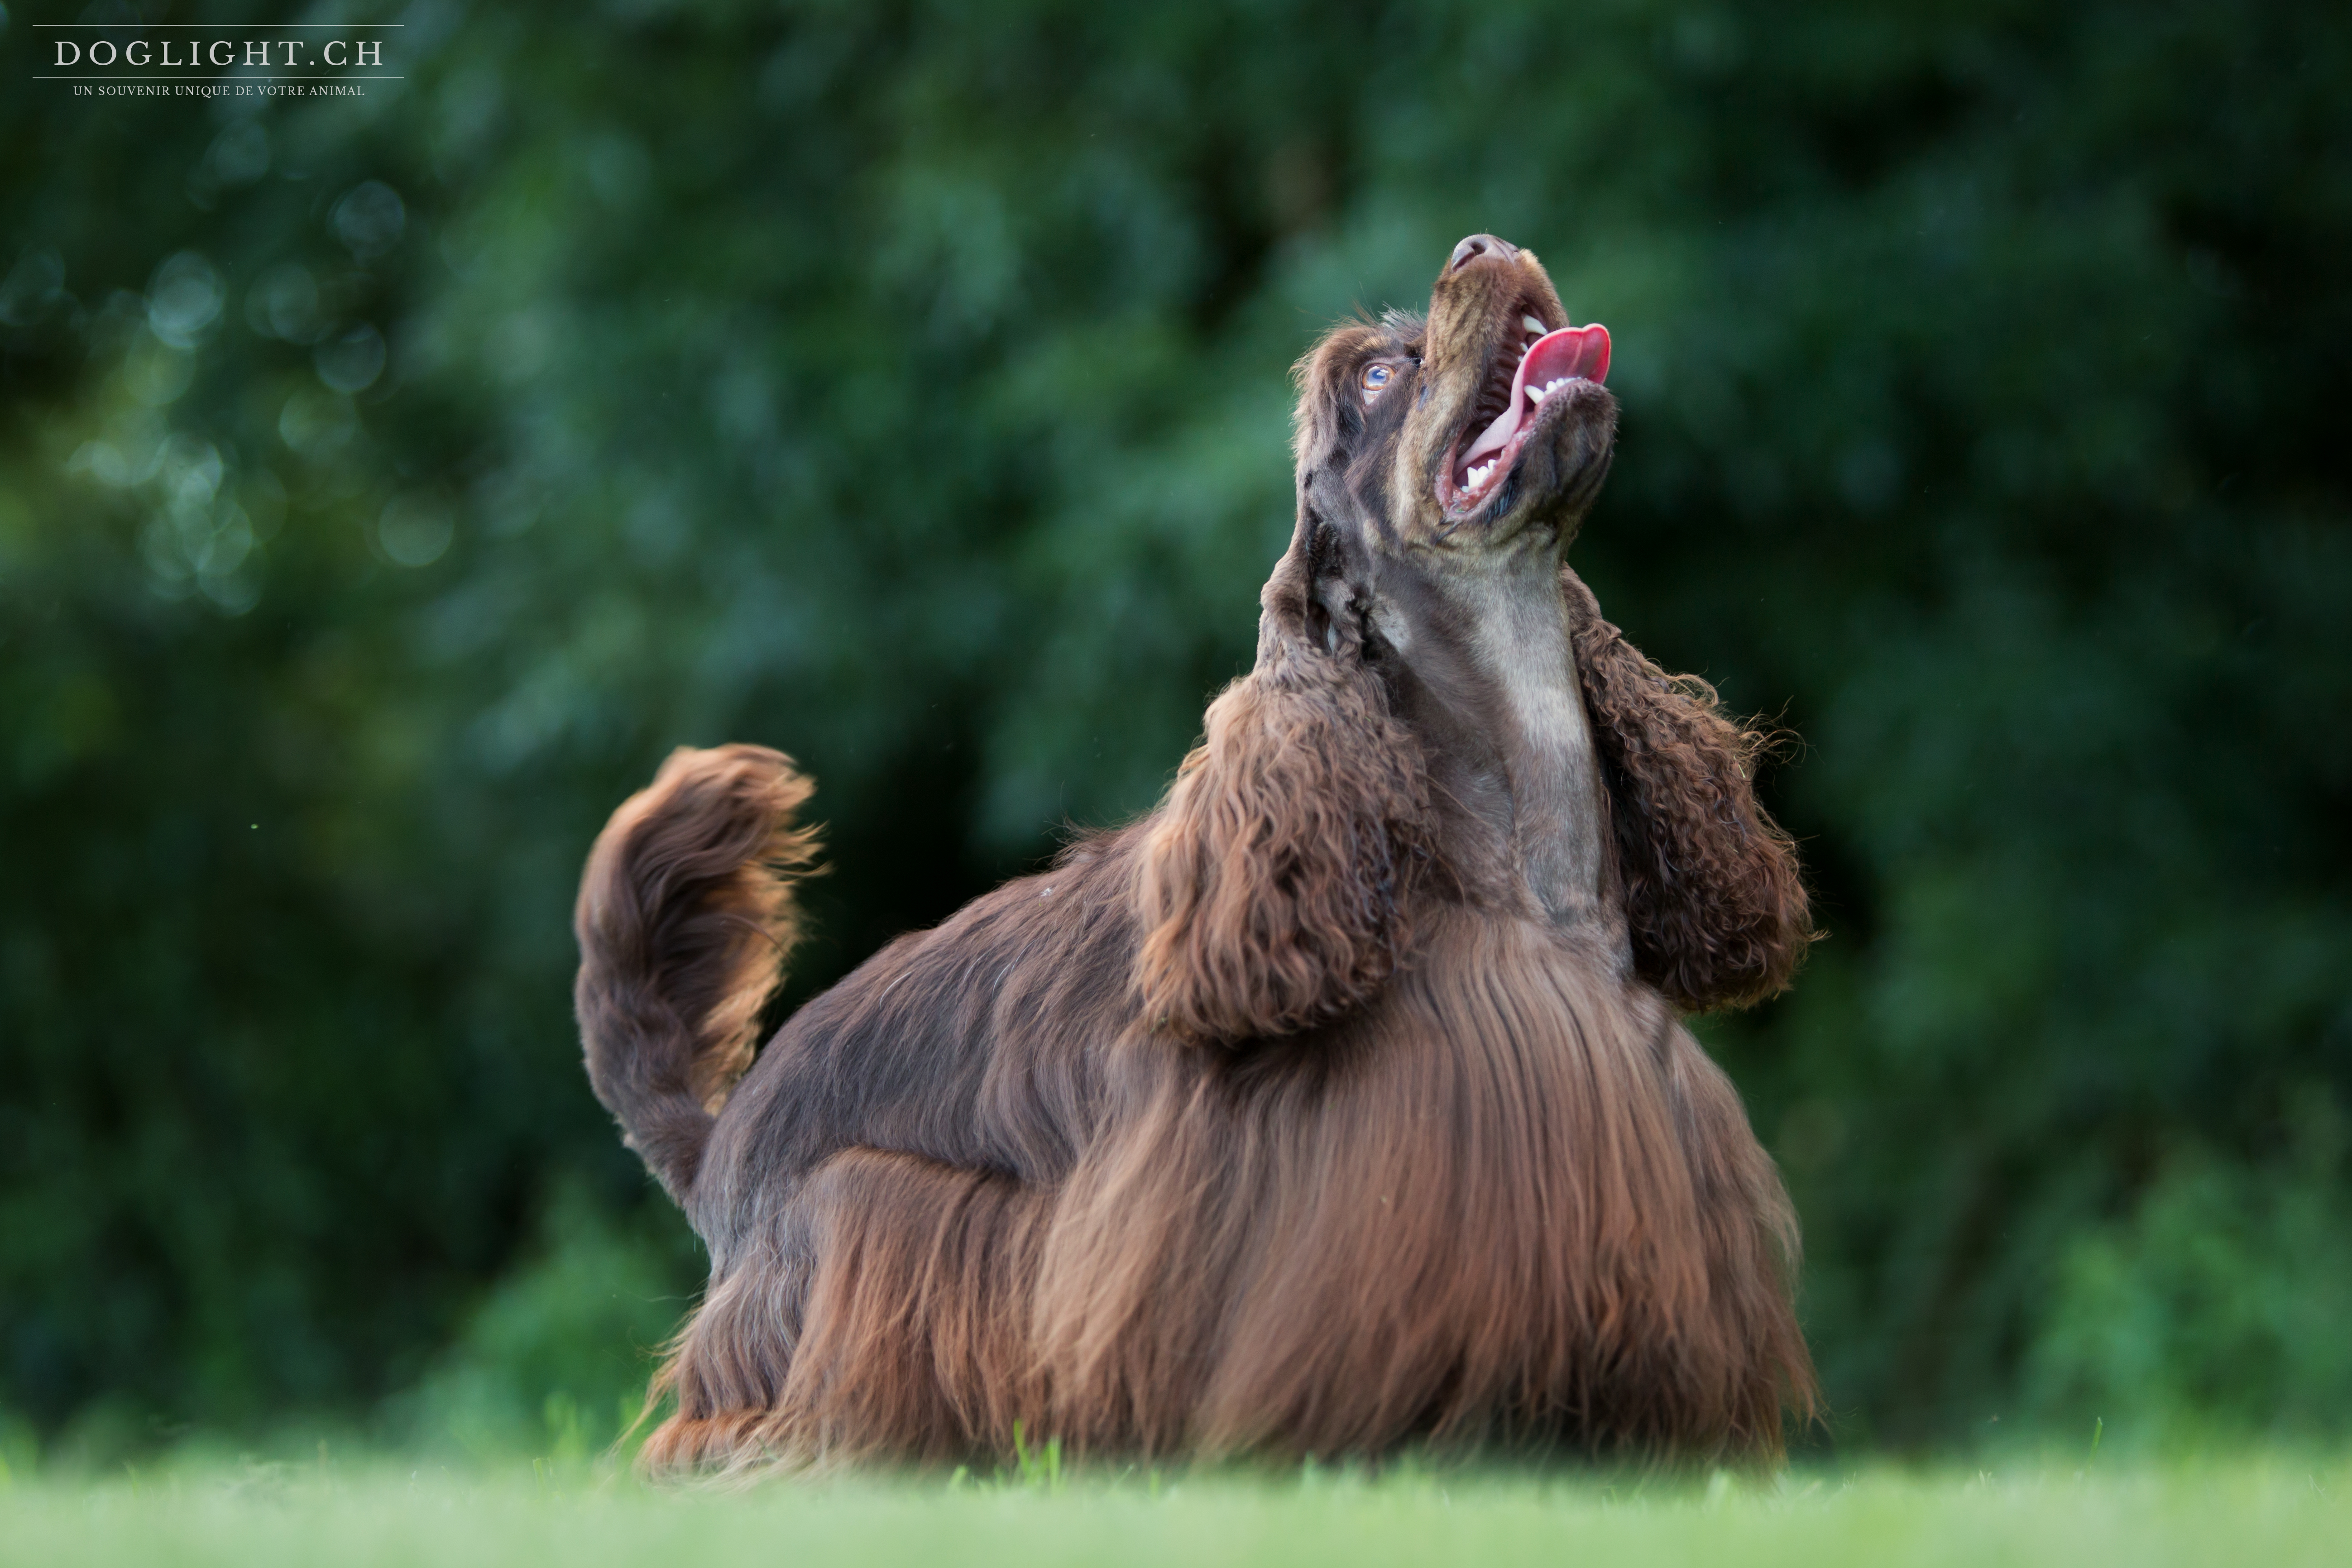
column 2272, row 1511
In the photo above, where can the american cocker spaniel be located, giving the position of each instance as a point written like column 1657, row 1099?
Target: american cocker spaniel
column 1343, row 1102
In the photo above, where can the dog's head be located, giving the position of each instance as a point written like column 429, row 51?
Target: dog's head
column 1480, row 430
column 1444, row 464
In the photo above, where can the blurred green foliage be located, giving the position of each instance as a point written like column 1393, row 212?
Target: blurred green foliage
column 385, row 484
column 555, row 1361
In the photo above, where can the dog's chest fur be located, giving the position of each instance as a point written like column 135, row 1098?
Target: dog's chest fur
column 1487, row 668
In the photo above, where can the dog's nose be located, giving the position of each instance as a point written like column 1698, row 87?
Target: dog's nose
column 1482, row 245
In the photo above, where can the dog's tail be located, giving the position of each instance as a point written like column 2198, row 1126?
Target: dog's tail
column 684, row 919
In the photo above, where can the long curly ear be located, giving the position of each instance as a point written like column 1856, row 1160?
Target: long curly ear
column 1718, row 914
column 1275, row 881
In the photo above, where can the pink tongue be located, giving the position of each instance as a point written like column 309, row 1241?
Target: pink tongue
column 1571, row 352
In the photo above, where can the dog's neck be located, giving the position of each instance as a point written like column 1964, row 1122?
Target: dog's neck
column 1493, row 679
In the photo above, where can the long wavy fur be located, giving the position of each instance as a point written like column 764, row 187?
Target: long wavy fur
column 1717, row 911
column 1275, row 885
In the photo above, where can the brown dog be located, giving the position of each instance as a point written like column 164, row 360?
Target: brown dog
column 1340, row 1102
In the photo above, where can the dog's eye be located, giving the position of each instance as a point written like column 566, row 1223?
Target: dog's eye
column 1375, row 381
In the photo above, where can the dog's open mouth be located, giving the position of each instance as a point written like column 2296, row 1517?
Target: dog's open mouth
column 1529, row 370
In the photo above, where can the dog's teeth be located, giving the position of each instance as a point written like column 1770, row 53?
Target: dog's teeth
column 1532, row 325
column 1537, row 394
